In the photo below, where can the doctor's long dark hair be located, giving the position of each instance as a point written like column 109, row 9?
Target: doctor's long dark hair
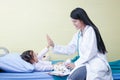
column 80, row 14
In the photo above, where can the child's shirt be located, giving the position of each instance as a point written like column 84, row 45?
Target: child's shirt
column 43, row 65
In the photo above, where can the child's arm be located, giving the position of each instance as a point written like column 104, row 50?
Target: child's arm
column 43, row 66
column 42, row 53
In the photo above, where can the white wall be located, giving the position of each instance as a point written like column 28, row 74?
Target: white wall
column 25, row 23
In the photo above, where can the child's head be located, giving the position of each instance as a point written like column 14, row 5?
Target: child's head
column 29, row 56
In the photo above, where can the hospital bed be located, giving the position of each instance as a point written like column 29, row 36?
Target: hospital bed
column 16, row 68
column 46, row 76
column 115, row 66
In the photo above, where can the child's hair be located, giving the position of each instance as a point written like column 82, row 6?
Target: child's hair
column 27, row 56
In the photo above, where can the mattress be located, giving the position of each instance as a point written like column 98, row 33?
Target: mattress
column 26, row 76
column 38, row 76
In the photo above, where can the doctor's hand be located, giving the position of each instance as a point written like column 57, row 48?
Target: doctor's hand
column 50, row 41
column 70, row 66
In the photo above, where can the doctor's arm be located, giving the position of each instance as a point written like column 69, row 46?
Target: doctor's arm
column 69, row 49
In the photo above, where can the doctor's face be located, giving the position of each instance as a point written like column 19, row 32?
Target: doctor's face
column 77, row 23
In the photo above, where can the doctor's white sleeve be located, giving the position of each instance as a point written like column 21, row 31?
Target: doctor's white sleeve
column 88, row 47
column 69, row 49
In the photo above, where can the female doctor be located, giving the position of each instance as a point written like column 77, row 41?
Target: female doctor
column 92, row 63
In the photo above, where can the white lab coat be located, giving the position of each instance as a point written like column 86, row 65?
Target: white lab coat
column 95, row 62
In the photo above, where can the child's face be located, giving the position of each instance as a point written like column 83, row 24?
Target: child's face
column 35, row 59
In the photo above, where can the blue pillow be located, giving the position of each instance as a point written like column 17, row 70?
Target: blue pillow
column 12, row 62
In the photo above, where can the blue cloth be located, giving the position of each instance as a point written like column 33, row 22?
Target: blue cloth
column 60, row 77
column 115, row 66
column 75, row 58
column 56, row 61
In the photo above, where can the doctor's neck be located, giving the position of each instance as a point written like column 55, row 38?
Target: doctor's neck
column 82, row 27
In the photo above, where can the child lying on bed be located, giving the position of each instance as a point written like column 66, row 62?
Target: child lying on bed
column 40, row 65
